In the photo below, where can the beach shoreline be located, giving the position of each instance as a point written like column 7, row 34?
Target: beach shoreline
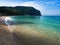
column 24, row 34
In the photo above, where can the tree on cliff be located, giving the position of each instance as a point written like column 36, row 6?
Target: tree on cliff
column 19, row 10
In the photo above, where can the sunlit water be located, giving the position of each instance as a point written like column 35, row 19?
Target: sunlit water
column 42, row 27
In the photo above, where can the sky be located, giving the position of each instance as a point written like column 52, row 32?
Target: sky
column 47, row 7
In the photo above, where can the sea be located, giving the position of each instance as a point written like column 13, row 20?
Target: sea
column 41, row 27
column 45, row 22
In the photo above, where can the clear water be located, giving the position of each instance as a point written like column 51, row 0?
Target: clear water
column 43, row 21
column 42, row 27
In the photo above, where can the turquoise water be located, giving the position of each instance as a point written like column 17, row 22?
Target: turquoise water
column 46, row 28
column 43, row 21
column 33, row 30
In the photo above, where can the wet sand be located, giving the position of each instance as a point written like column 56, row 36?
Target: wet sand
column 29, row 36
column 22, row 37
column 5, row 36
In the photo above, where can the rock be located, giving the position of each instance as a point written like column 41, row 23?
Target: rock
column 19, row 10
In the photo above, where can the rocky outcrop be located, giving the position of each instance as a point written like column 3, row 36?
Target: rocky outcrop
column 19, row 10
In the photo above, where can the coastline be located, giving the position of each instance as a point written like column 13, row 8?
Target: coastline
column 28, row 34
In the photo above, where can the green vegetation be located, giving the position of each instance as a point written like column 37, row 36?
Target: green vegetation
column 19, row 10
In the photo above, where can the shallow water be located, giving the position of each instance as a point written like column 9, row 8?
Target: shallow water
column 36, row 28
column 48, row 22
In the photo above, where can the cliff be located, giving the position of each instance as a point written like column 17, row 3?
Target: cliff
column 19, row 10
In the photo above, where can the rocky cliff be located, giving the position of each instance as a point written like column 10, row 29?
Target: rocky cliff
column 19, row 10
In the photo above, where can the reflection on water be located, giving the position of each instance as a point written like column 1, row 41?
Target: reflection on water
column 35, row 30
